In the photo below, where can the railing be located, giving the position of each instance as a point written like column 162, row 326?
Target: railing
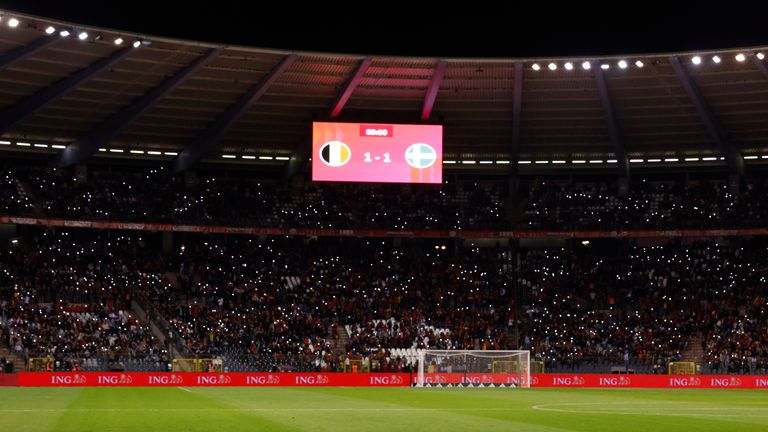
column 177, row 341
column 115, row 362
column 334, row 232
column 604, row 364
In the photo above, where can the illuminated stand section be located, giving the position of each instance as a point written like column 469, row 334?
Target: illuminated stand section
column 377, row 153
column 474, row 368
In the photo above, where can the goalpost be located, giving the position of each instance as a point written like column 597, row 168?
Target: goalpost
column 474, row 368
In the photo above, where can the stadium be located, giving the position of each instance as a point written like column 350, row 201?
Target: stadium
column 207, row 236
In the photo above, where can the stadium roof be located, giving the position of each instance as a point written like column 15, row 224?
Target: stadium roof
column 168, row 95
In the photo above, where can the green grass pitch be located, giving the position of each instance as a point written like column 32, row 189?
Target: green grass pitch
column 140, row 409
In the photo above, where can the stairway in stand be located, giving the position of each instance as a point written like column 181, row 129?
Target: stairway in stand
column 339, row 346
column 694, row 353
column 26, row 189
column 513, row 338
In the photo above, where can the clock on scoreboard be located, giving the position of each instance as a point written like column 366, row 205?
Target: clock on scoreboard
column 380, row 153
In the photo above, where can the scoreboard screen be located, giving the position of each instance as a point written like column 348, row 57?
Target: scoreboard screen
column 377, row 153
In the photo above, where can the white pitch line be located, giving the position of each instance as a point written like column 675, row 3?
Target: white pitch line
column 646, row 408
column 535, row 407
column 185, row 389
column 251, row 409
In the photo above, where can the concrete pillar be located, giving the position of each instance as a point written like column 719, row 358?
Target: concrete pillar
column 622, row 186
column 167, row 242
column 81, row 173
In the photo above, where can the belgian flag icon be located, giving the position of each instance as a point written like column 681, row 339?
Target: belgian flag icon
column 335, row 153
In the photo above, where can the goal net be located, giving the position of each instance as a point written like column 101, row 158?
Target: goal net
column 474, row 368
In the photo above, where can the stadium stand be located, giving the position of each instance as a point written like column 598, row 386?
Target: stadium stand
column 281, row 303
column 151, row 196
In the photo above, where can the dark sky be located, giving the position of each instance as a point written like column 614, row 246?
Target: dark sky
column 468, row 30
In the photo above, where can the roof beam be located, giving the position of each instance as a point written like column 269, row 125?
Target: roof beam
column 517, row 106
column 614, row 133
column 15, row 114
column 434, row 87
column 732, row 155
column 88, row 145
column 206, row 142
column 350, row 87
column 759, row 64
column 22, row 52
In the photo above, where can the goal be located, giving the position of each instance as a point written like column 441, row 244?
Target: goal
column 474, row 368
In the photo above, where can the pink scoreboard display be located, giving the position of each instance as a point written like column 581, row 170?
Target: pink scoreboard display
column 381, row 153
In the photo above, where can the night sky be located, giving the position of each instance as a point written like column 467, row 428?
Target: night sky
column 514, row 31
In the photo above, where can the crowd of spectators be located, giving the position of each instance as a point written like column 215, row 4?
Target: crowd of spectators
column 71, row 300
column 696, row 204
column 13, row 200
column 154, row 196
column 87, row 336
column 289, row 303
